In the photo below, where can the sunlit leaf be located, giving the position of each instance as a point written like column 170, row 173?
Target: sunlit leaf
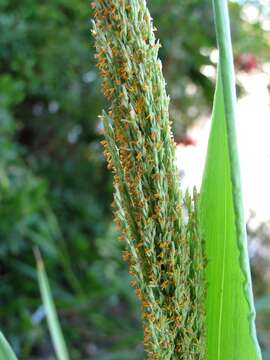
column 229, row 305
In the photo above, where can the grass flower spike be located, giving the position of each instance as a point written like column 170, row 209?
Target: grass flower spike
column 157, row 223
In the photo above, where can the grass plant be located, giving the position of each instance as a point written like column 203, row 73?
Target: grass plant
column 187, row 254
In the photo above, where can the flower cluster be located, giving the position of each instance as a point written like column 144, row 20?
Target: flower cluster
column 157, row 223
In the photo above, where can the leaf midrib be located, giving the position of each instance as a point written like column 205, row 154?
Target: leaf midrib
column 223, row 269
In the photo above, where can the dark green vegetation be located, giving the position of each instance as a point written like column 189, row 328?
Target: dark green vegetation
column 55, row 190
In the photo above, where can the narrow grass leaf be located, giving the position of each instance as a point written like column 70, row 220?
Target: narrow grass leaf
column 230, row 311
column 6, row 352
column 52, row 318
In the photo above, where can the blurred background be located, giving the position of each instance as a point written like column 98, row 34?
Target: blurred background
column 55, row 191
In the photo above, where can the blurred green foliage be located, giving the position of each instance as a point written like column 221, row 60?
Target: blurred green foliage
column 55, row 191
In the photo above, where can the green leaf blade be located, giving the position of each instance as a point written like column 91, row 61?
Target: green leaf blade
column 230, row 311
column 6, row 353
column 51, row 314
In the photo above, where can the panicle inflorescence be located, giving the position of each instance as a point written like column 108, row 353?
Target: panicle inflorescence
column 158, row 224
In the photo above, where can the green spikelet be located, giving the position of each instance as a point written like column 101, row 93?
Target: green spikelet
column 159, row 226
